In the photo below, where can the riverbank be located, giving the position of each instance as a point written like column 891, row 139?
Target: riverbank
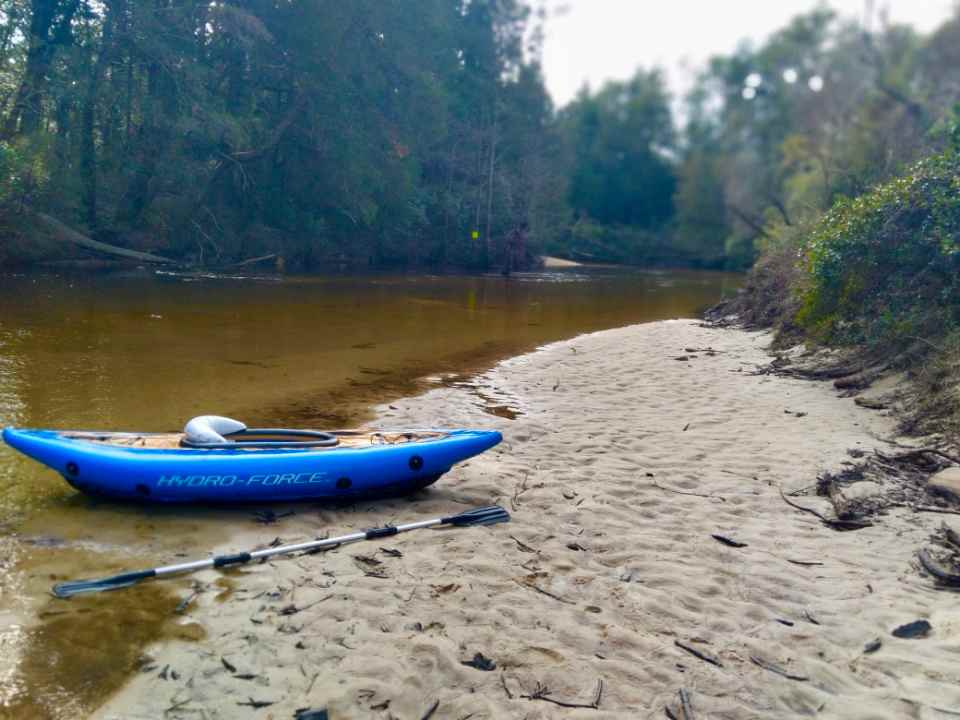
column 635, row 450
column 551, row 263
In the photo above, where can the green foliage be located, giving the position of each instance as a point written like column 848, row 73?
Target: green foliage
column 701, row 224
column 619, row 174
column 885, row 266
column 823, row 109
column 23, row 170
column 595, row 242
column 419, row 132
column 376, row 132
column 948, row 129
column 9, row 175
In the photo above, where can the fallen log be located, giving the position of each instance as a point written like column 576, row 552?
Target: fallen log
column 832, row 372
column 64, row 233
column 860, row 380
column 250, row 261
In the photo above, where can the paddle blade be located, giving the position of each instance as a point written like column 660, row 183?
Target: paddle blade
column 114, row 582
column 481, row 516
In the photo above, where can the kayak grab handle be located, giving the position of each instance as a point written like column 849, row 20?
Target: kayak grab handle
column 216, row 432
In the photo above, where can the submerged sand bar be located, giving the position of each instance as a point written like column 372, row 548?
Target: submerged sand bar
column 624, row 464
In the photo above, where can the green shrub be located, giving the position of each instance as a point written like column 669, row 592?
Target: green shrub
column 23, row 170
column 883, row 267
column 769, row 297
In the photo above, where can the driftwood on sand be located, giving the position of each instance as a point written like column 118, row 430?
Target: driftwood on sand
column 937, row 571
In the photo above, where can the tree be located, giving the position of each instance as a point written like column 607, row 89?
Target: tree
column 375, row 131
column 620, row 137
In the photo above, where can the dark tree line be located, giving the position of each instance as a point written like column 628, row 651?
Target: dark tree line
column 419, row 133
column 368, row 132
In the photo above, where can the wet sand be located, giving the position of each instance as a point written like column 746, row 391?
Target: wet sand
column 621, row 465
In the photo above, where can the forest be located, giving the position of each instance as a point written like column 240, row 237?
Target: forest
column 419, row 133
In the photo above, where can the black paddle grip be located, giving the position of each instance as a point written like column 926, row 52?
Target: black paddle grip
column 380, row 532
column 223, row 560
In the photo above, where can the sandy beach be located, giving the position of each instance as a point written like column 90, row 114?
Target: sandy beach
column 609, row 589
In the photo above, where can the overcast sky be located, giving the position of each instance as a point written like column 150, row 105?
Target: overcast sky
column 598, row 40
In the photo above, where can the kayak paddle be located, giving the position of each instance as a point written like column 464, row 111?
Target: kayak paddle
column 481, row 516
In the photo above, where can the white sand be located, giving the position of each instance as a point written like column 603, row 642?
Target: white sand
column 633, row 566
column 551, row 262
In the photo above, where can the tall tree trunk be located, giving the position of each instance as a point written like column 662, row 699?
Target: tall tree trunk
column 488, row 239
column 88, row 147
column 448, row 193
column 50, row 25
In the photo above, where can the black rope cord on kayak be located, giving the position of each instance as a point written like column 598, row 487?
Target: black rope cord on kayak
column 314, row 438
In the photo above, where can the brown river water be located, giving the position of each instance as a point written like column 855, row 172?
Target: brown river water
column 148, row 351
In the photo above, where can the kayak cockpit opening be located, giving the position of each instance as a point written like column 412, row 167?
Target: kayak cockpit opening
column 216, row 432
column 267, row 438
column 233, row 437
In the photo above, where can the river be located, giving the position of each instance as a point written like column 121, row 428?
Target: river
column 146, row 351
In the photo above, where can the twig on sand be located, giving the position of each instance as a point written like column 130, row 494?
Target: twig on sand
column 503, row 681
column 696, row 653
column 519, row 489
column 185, row 603
column 686, row 707
column 523, row 546
column 684, row 492
column 760, row 662
column 934, row 568
column 292, row 609
column 920, row 451
column 801, row 507
column 835, row 524
column 927, row 508
column 257, row 704
column 542, row 692
column 431, row 710
column 540, row 590
column 805, row 563
column 919, row 705
column 176, row 705
column 729, row 542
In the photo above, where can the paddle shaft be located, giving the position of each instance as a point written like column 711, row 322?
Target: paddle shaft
column 479, row 516
column 240, row 558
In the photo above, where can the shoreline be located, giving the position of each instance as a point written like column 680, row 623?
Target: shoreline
column 302, row 378
column 623, row 463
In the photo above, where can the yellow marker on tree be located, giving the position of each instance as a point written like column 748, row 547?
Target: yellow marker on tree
column 475, row 234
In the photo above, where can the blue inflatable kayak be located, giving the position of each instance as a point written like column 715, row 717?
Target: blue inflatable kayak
column 220, row 460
